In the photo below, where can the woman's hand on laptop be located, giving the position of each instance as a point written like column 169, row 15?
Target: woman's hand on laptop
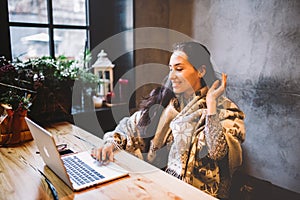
column 104, row 154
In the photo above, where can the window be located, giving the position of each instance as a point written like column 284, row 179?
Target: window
column 47, row 28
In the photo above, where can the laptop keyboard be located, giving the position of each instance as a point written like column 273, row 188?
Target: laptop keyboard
column 80, row 172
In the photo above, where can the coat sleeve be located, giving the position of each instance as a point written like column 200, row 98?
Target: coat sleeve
column 125, row 132
column 215, row 138
column 232, row 121
column 224, row 132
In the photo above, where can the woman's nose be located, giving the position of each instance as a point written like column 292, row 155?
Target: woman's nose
column 172, row 74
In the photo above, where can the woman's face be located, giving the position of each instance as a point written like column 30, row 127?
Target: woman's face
column 184, row 77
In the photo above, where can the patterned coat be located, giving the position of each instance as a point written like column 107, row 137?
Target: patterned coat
column 202, row 150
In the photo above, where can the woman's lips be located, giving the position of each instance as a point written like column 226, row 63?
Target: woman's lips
column 175, row 84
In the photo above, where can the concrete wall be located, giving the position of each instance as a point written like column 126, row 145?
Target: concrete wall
column 257, row 43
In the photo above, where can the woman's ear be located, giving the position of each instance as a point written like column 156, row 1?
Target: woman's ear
column 202, row 71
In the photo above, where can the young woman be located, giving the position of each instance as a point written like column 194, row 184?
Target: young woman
column 185, row 127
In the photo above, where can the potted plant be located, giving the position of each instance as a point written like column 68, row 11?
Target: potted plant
column 14, row 105
column 53, row 80
column 42, row 88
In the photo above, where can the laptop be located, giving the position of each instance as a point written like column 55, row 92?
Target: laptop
column 78, row 170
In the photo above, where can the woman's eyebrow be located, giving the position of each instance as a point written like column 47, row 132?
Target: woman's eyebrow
column 175, row 65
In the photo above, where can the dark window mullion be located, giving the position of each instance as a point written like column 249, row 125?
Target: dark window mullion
column 87, row 22
column 5, row 47
column 25, row 24
column 50, row 29
column 69, row 26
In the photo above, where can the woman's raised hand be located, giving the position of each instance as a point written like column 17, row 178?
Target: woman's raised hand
column 214, row 92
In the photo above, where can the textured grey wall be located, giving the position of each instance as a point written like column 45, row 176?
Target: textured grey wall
column 257, row 43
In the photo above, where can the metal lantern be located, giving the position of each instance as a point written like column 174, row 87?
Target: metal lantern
column 103, row 67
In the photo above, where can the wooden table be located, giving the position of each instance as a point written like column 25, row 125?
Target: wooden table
column 19, row 181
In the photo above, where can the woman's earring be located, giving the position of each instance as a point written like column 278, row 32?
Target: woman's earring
column 199, row 74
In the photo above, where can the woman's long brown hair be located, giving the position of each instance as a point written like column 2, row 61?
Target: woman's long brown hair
column 160, row 97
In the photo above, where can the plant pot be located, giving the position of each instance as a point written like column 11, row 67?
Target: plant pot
column 14, row 129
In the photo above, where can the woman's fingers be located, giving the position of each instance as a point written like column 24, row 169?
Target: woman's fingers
column 215, row 85
column 99, row 154
column 215, row 90
column 102, row 153
column 107, row 153
column 224, row 79
column 223, row 84
column 111, row 156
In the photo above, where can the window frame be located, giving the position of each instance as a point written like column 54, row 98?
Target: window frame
column 5, row 25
